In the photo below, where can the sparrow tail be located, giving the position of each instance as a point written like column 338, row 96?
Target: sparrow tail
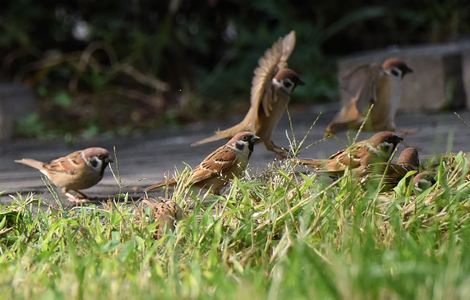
column 30, row 163
column 160, row 184
column 224, row 134
column 312, row 163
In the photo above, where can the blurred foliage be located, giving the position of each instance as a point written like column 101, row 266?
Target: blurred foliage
column 124, row 66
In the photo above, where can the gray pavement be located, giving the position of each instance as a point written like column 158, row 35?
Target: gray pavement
column 145, row 159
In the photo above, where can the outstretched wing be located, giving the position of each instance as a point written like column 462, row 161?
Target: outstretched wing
column 360, row 86
column 274, row 59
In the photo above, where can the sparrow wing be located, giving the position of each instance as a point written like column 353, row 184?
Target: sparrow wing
column 217, row 163
column 360, row 86
column 350, row 157
column 274, row 59
column 69, row 164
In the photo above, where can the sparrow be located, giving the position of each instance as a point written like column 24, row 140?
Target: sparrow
column 376, row 149
column 164, row 212
column 391, row 173
column 271, row 88
column 219, row 167
column 424, row 180
column 366, row 85
column 76, row 171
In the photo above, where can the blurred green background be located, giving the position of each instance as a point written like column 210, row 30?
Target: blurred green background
column 122, row 67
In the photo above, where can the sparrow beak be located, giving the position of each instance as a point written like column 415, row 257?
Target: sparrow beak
column 406, row 70
column 300, row 82
column 108, row 160
column 254, row 139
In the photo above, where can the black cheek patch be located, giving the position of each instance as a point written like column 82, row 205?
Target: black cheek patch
column 239, row 146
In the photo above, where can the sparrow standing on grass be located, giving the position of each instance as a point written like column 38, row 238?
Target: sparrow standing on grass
column 76, row 171
column 376, row 149
column 219, row 167
column 165, row 213
column 271, row 87
column 390, row 174
column 366, row 85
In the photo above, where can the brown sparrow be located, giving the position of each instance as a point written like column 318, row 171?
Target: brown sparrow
column 391, row 173
column 271, row 87
column 424, row 180
column 76, row 171
column 165, row 213
column 219, row 167
column 376, row 149
column 371, row 84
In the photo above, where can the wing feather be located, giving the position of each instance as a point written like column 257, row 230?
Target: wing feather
column 216, row 164
column 360, row 86
column 68, row 164
column 274, row 59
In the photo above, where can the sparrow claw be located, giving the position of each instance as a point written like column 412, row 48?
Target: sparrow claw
column 76, row 199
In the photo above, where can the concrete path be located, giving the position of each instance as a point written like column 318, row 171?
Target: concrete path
column 145, row 159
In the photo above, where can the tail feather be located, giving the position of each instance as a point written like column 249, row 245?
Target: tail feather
column 30, row 163
column 160, row 184
column 227, row 133
column 312, row 163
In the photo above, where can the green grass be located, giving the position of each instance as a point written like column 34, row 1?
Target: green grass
column 276, row 235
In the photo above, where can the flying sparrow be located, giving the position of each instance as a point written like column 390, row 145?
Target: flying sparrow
column 219, row 167
column 76, row 171
column 391, row 173
column 366, row 85
column 376, row 149
column 271, row 87
column 164, row 212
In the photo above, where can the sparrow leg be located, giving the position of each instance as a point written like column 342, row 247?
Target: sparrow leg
column 281, row 152
column 80, row 198
column 75, row 199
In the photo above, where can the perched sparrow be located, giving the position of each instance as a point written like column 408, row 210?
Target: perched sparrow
column 376, row 149
column 219, row 167
column 76, row 171
column 271, row 87
column 391, row 173
column 371, row 84
column 165, row 213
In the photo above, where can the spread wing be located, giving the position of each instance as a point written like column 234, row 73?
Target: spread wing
column 69, row 164
column 274, row 59
column 360, row 86
column 217, row 163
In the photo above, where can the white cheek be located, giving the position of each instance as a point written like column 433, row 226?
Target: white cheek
column 276, row 83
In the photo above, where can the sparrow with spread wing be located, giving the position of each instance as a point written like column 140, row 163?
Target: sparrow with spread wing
column 76, row 171
column 376, row 149
column 219, row 167
column 271, row 88
column 366, row 85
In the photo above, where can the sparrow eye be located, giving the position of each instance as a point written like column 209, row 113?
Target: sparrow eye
column 94, row 162
column 287, row 84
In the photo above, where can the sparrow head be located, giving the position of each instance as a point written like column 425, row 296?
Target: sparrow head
column 409, row 157
column 287, row 80
column 396, row 67
column 244, row 140
column 97, row 158
column 385, row 141
column 424, row 180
